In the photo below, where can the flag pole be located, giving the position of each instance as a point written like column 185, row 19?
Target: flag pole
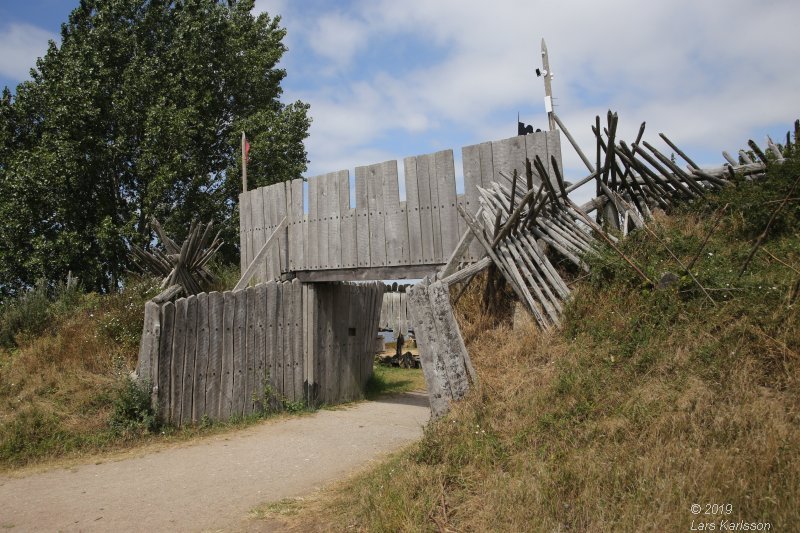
column 244, row 163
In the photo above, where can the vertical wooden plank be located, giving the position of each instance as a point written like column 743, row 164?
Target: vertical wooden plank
column 536, row 144
column 288, row 342
column 309, row 323
column 352, row 325
column 413, row 211
column 275, row 218
column 426, row 175
column 296, row 339
column 176, row 374
column 274, row 372
column 377, row 214
column 397, row 247
column 296, row 237
column 335, row 221
column 259, row 237
column 312, row 257
column 423, row 176
column 553, row 139
column 268, row 215
column 260, row 349
column 446, row 191
column 323, row 219
column 164, row 369
column 349, row 245
column 227, row 372
column 509, row 155
column 321, row 348
column 190, row 351
column 244, row 230
column 362, row 218
column 280, row 334
column 201, row 360
column 249, row 355
column 239, row 350
column 281, row 211
column 215, row 354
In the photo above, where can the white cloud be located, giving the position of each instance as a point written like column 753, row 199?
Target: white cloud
column 20, row 46
column 708, row 77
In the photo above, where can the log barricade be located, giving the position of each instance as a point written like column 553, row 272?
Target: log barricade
column 394, row 310
column 379, row 236
column 219, row 355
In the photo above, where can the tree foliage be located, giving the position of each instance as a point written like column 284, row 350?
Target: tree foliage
column 138, row 113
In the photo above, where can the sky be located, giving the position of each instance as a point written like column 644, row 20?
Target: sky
column 388, row 79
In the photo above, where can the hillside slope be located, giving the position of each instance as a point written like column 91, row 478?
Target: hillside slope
column 645, row 402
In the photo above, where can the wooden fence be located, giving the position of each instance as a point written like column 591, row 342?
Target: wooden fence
column 381, row 237
column 222, row 355
column 394, row 311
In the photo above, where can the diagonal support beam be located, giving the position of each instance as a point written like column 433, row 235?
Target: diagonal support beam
column 260, row 256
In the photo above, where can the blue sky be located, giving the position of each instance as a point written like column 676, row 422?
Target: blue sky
column 388, row 79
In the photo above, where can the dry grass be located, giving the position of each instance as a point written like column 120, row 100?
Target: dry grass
column 643, row 403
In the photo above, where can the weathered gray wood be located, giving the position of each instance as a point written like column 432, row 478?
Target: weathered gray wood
column 431, row 235
column 239, row 351
column 259, row 229
column 452, row 350
column 280, row 352
column 413, row 211
column 323, row 210
column 335, row 221
column 362, row 218
column 281, row 212
column 176, row 373
column 287, row 313
column 363, row 274
column 467, row 272
column 227, row 372
column 553, row 151
column 535, row 284
column 201, row 360
column 312, row 258
column 446, row 189
column 242, row 235
column 249, row 352
column 190, row 351
column 147, row 367
column 307, row 381
column 397, row 239
column 297, row 256
column 309, row 326
column 259, row 348
column 508, row 155
column 269, row 263
column 164, row 370
column 349, row 241
column 377, row 214
column 215, row 354
column 512, row 268
column 428, row 341
column 296, row 338
column 274, row 369
column 252, row 268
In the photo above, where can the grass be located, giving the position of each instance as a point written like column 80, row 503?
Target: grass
column 394, row 380
column 644, row 402
column 65, row 391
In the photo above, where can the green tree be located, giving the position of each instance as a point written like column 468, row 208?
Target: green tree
column 138, row 113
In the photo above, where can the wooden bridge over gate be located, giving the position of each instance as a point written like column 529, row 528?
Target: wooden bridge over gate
column 328, row 237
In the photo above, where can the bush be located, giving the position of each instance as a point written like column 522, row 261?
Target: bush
column 133, row 412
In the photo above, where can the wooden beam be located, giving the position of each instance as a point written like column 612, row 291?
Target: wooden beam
column 372, row 273
column 259, row 258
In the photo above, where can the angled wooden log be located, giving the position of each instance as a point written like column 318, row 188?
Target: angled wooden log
column 252, row 268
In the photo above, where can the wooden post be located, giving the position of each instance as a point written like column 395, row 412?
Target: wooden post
column 244, row 163
column 548, row 89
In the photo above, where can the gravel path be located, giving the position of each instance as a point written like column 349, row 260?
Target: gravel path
column 212, row 484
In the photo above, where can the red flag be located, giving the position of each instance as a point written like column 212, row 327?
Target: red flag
column 246, row 150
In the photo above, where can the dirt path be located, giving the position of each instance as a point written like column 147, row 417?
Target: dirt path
column 212, row 484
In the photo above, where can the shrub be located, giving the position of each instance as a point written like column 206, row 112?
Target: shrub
column 133, row 412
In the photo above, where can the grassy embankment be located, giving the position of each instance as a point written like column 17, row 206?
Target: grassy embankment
column 65, row 358
column 643, row 403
